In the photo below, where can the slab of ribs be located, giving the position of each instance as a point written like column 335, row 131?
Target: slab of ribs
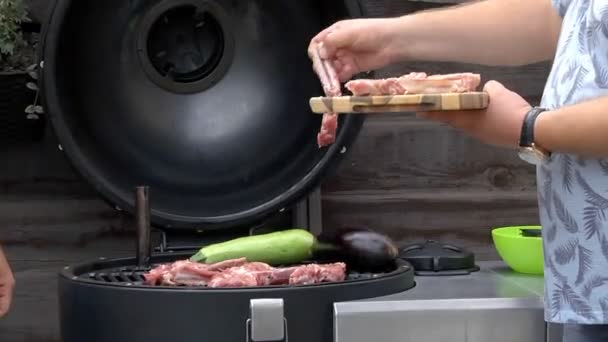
column 241, row 273
column 412, row 83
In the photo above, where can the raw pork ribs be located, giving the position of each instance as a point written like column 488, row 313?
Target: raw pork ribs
column 412, row 83
column 240, row 273
column 331, row 86
column 415, row 83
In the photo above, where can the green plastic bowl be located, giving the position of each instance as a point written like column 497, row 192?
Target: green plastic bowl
column 524, row 254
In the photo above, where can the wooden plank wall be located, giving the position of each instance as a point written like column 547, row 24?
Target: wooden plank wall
column 409, row 178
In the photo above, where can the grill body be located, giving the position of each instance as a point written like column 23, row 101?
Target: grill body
column 105, row 301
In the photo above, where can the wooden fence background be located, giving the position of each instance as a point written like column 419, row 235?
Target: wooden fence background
column 409, row 178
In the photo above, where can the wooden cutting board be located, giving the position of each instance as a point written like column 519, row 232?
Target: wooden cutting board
column 400, row 103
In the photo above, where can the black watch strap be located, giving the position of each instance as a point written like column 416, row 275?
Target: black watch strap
column 527, row 129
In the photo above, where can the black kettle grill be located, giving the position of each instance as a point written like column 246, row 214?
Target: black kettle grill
column 205, row 103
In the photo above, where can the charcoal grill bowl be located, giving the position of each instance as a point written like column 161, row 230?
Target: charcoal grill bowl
column 97, row 311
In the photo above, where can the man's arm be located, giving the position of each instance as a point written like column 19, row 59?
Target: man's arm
column 580, row 129
column 490, row 32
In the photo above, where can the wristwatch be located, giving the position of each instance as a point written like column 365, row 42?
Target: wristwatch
column 529, row 151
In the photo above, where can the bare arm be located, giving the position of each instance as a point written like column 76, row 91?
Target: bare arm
column 489, row 32
column 577, row 129
column 7, row 282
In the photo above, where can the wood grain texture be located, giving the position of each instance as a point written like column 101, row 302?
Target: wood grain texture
column 40, row 236
column 462, row 217
column 399, row 152
column 399, row 103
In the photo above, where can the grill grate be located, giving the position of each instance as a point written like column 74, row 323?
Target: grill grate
column 135, row 276
column 123, row 275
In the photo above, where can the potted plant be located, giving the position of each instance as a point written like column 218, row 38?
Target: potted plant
column 20, row 113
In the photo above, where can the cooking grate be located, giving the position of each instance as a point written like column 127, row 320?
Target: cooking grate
column 122, row 275
column 135, row 275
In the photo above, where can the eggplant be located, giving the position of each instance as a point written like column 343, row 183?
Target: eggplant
column 362, row 249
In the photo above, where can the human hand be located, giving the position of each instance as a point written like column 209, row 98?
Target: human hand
column 499, row 124
column 7, row 283
column 356, row 45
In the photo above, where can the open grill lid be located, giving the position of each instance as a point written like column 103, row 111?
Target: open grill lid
column 203, row 101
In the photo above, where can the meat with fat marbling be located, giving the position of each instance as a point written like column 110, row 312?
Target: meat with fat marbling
column 415, row 83
column 331, row 86
column 313, row 273
column 240, row 273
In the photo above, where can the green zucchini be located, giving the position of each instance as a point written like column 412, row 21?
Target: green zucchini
column 277, row 248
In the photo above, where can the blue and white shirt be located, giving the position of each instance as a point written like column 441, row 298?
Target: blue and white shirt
column 573, row 191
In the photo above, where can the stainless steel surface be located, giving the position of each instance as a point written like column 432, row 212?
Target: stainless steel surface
column 267, row 322
column 454, row 320
column 142, row 213
column 492, row 305
column 493, row 280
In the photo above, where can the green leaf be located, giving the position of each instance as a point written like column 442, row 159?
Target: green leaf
column 32, row 86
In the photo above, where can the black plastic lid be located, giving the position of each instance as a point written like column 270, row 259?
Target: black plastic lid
column 531, row 232
column 435, row 258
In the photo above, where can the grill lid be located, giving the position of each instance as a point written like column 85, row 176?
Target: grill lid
column 432, row 258
column 204, row 101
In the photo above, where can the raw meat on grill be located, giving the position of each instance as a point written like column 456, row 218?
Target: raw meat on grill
column 331, row 86
column 186, row 272
column 415, row 83
column 181, row 272
column 240, row 273
column 252, row 274
column 312, row 273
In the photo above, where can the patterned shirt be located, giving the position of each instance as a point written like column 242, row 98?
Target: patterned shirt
column 573, row 191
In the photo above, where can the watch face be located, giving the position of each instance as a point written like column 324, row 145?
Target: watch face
column 531, row 155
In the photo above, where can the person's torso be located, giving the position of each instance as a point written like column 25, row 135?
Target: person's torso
column 573, row 191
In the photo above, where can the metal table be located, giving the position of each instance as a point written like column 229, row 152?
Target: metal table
column 494, row 304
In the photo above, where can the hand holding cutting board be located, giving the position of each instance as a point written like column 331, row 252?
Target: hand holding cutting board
column 500, row 124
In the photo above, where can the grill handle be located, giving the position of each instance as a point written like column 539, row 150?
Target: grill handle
column 267, row 322
column 142, row 212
